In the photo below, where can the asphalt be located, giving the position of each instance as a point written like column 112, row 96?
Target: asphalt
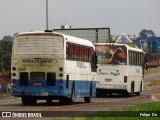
column 155, row 97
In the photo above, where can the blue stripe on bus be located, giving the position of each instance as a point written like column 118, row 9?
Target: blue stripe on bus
column 82, row 89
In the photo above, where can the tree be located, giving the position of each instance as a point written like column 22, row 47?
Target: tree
column 7, row 37
column 144, row 34
column 6, row 46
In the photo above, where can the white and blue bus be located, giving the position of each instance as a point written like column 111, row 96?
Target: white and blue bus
column 120, row 69
column 49, row 65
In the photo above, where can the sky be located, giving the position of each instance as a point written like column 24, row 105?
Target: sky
column 129, row 16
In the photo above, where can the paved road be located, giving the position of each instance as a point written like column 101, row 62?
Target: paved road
column 116, row 102
column 151, row 77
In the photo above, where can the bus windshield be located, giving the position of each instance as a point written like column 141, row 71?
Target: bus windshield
column 111, row 54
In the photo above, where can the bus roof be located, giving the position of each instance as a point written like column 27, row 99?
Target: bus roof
column 127, row 46
column 65, row 37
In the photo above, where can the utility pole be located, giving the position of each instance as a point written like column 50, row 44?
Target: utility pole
column 46, row 14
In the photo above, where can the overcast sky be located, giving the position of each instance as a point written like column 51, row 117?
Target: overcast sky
column 129, row 16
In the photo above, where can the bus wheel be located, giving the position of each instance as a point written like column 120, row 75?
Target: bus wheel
column 88, row 99
column 137, row 93
column 25, row 101
column 132, row 90
column 49, row 101
column 110, row 94
column 71, row 100
column 33, row 101
column 98, row 94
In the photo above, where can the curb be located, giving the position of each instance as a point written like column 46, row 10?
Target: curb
column 156, row 97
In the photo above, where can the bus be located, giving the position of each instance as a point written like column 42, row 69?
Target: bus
column 119, row 69
column 47, row 65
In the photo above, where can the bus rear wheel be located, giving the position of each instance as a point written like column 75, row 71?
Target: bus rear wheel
column 33, row 101
column 71, row 100
column 25, row 101
column 49, row 101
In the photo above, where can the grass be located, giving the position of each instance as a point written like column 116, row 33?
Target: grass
column 132, row 113
column 152, row 71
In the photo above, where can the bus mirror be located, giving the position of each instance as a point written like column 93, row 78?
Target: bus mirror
column 94, row 62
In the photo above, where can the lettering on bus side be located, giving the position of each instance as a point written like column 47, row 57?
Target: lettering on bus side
column 111, row 73
column 102, row 73
column 37, row 61
column 115, row 74
column 40, row 61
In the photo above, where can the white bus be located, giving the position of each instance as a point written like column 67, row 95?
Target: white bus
column 49, row 65
column 120, row 69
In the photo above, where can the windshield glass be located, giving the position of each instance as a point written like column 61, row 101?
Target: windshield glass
column 111, row 54
column 37, row 75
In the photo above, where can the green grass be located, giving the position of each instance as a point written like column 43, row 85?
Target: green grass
column 133, row 111
column 152, row 71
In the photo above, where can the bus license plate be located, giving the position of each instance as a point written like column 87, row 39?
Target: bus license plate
column 44, row 93
column 37, row 83
column 108, row 80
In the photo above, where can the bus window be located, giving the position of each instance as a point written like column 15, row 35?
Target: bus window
column 69, row 50
column 37, row 75
column 23, row 78
column 111, row 54
column 51, row 79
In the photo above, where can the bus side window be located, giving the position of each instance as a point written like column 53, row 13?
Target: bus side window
column 78, row 52
column 69, row 50
column 90, row 54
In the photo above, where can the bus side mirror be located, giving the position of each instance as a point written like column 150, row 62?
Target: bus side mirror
column 94, row 62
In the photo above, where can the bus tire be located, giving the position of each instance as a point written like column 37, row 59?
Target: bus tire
column 141, row 87
column 132, row 90
column 88, row 99
column 130, row 94
column 98, row 93
column 71, row 100
column 137, row 93
column 49, row 101
column 25, row 100
column 33, row 101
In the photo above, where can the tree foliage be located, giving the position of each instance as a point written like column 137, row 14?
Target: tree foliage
column 7, row 37
column 5, row 54
column 144, row 34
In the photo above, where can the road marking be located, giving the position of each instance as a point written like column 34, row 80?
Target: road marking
column 152, row 83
